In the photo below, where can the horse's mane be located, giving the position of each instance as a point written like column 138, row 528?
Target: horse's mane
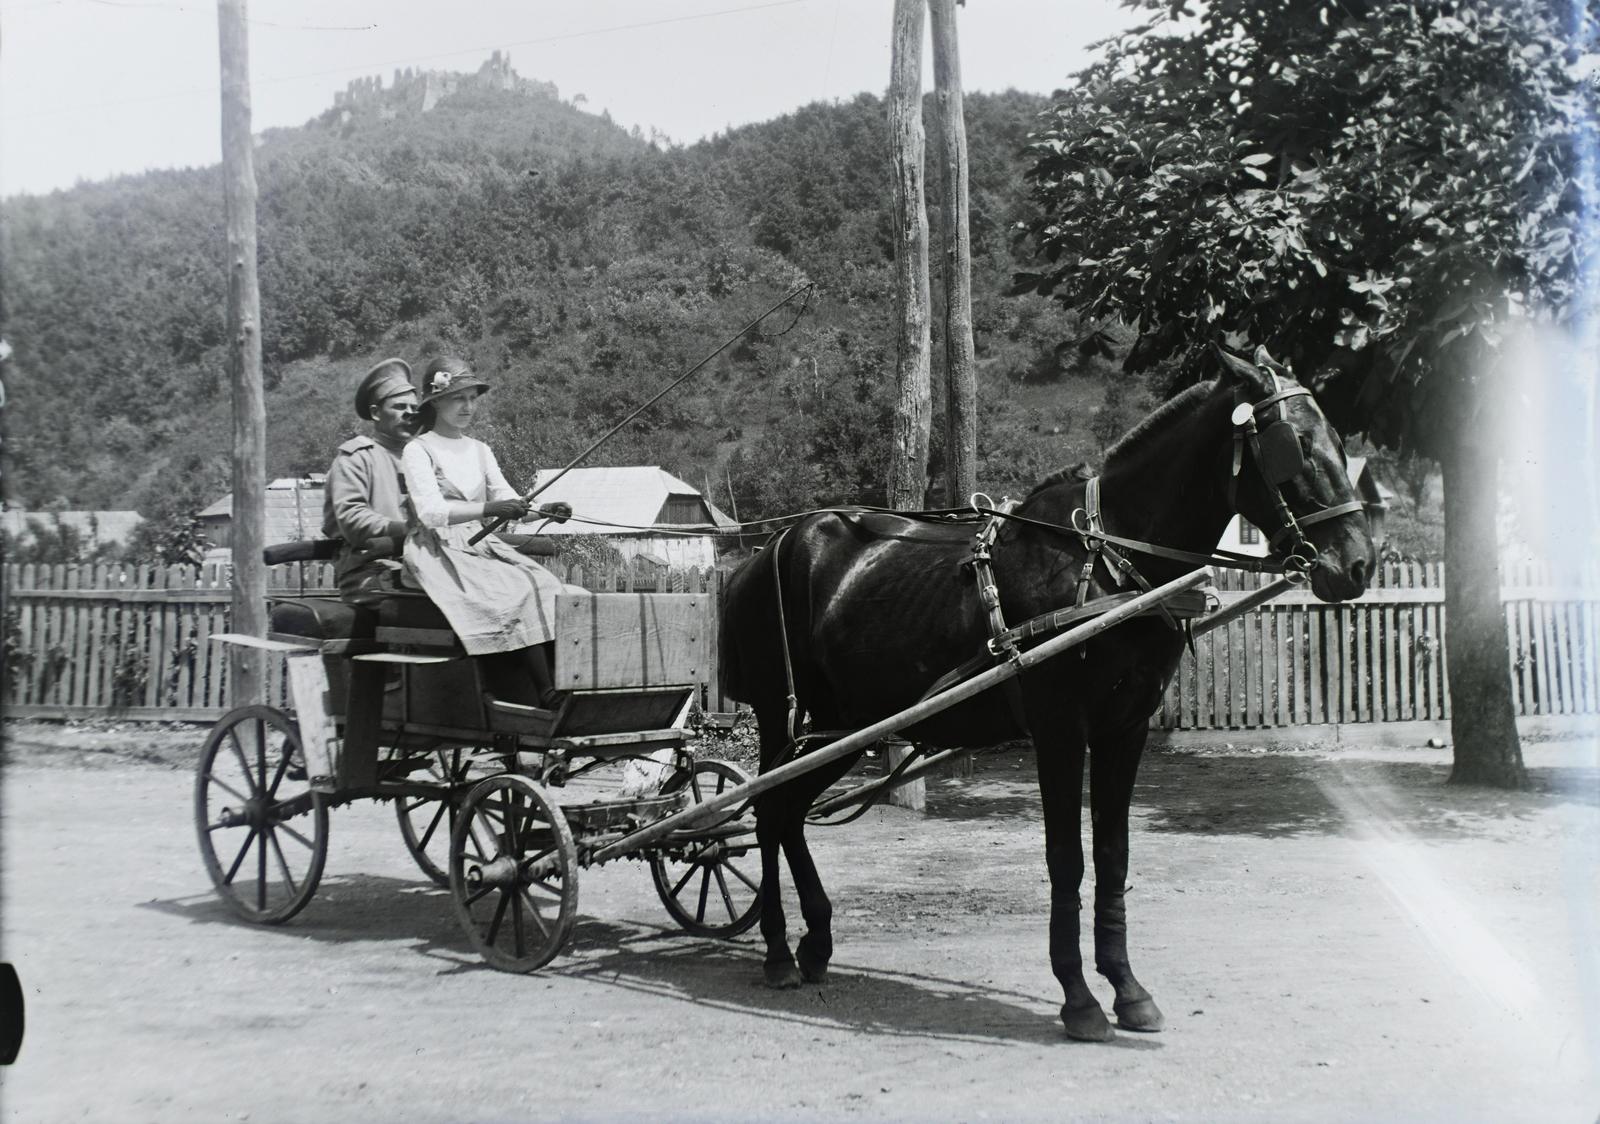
column 1083, row 470
column 1182, row 402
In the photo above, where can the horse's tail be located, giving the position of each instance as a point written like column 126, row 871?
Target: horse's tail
column 748, row 629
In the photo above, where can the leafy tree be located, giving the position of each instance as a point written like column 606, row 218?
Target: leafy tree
column 1373, row 189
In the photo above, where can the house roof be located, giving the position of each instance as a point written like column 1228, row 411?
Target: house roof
column 100, row 526
column 293, row 509
column 617, row 500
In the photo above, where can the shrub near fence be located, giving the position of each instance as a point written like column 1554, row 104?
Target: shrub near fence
column 84, row 641
column 135, row 640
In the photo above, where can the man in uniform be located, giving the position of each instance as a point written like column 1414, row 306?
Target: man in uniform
column 364, row 503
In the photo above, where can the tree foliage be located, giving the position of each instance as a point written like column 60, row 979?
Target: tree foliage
column 578, row 268
column 1373, row 189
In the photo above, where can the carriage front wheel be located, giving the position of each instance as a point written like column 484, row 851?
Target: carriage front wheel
column 514, row 873
column 263, row 831
column 709, row 882
column 428, row 821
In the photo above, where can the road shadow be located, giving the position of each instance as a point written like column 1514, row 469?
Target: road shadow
column 667, row 964
column 1269, row 794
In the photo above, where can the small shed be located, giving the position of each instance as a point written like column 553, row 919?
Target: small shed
column 1243, row 537
column 642, row 510
column 293, row 512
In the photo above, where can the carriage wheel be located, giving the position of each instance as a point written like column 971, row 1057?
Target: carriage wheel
column 711, row 888
column 514, row 873
column 263, row 832
column 428, row 822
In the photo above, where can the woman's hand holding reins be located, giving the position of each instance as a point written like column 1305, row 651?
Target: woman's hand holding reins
column 508, row 510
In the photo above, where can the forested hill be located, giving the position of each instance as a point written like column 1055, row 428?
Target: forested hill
column 577, row 266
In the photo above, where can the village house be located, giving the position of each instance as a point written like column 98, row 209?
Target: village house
column 647, row 513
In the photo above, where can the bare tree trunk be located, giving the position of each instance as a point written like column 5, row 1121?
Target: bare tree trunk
column 960, row 378
column 961, row 388
column 913, row 417
column 244, row 358
column 1482, row 721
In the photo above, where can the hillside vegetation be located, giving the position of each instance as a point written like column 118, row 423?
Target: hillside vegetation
column 578, row 267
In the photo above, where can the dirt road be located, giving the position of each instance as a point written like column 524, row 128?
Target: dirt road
column 1331, row 938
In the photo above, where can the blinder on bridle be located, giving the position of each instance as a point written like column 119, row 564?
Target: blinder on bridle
column 1275, row 448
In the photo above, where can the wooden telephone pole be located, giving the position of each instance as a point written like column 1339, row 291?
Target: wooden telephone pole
column 913, row 415
column 960, row 378
column 244, row 355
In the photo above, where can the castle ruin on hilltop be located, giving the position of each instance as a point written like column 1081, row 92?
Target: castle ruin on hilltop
column 418, row 91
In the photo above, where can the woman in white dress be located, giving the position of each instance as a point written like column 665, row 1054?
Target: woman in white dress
column 501, row 604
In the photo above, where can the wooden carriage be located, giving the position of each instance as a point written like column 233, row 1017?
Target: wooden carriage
column 501, row 803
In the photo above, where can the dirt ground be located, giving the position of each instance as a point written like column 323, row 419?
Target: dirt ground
column 1333, row 936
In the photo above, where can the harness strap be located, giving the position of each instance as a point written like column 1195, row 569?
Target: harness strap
column 989, row 597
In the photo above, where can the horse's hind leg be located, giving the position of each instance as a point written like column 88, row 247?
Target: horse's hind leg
column 816, row 947
column 773, row 816
column 1113, row 765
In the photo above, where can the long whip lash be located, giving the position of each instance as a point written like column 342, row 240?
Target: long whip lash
column 668, row 389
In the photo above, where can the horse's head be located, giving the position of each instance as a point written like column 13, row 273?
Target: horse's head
column 1288, row 476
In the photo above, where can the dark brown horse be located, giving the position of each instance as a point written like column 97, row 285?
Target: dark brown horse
column 876, row 607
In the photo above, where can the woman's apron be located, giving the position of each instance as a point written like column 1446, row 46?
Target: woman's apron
column 495, row 599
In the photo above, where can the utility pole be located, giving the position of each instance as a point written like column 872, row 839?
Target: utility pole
column 913, row 416
column 961, row 387
column 244, row 354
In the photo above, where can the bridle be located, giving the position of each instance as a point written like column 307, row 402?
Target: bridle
column 1275, row 447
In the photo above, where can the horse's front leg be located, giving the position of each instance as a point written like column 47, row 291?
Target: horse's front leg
column 1113, row 765
column 1060, row 763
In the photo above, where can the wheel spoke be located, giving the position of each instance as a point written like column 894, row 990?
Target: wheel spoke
column 238, row 859
column 494, row 923
column 475, row 896
column 238, row 751
column 553, row 891
column 283, row 864
column 520, row 942
column 261, row 753
column 297, row 837
column 261, row 868
column 283, row 767
column 212, row 778
column 538, row 920
column 727, row 898
column 684, row 881
column 705, row 894
column 742, row 877
column 422, row 844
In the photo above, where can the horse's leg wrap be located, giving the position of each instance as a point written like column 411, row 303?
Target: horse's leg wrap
column 1060, row 787
column 1113, row 764
column 778, row 970
column 816, row 946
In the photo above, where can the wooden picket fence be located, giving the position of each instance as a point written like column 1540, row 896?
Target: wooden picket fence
column 84, row 641
column 1298, row 661
column 135, row 640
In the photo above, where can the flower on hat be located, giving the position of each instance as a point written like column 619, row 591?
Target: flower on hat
column 441, row 381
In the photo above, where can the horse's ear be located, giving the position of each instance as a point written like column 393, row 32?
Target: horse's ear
column 1266, row 361
column 1257, row 383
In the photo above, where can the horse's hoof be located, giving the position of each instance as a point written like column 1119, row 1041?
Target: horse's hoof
column 781, row 977
column 813, row 968
column 1087, row 1023
column 813, row 973
column 1139, row 1014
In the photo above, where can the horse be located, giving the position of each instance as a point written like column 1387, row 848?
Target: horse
column 852, row 614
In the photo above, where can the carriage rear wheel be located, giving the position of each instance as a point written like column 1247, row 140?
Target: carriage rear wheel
column 514, row 873
column 263, row 831
column 709, row 884
column 428, row 822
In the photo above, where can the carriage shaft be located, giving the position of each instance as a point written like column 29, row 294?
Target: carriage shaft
column 862, row 738
column 1245, row 604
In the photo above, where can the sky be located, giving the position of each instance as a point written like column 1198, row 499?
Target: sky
column 96, row 88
